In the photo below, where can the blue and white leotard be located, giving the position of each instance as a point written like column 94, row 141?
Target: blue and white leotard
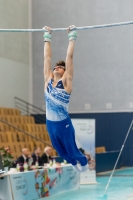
column 57, row 101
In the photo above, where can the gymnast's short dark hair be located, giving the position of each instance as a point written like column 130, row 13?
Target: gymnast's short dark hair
column 61, row 63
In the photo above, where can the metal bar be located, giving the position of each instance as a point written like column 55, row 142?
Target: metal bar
column 22, row 107
column 16, row 98
column 64, row 29
column 110, row 178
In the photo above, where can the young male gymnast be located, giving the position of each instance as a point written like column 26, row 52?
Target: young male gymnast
column 58, row 88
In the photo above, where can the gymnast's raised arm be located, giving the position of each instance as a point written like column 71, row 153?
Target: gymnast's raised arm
column 69, row 60
column 48, row 74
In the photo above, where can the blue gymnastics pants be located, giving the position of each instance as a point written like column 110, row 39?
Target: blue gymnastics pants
column 62, row 135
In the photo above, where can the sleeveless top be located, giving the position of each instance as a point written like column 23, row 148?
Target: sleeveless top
column 57, row 101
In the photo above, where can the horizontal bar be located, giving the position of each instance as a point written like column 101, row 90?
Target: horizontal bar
column 64, row 29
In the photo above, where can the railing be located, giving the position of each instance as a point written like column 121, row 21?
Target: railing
column 29, row 134
column 30, row 109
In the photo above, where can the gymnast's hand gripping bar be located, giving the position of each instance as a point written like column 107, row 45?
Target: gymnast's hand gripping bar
column 64, row 29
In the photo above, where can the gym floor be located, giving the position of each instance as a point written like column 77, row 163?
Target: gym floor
column 120, row 188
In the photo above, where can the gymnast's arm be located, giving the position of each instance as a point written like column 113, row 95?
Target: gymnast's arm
column 69, row 67
column 48, row 74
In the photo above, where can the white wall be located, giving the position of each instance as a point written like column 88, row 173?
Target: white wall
column 14, row 52
column 14, row 81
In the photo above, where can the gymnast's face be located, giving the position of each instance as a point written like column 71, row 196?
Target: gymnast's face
column 59, row 70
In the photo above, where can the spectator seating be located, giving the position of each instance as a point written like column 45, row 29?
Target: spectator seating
column 15, row 139
column 100, row 149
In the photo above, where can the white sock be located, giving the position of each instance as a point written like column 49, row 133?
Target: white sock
column 76, row 168
column 84, row 168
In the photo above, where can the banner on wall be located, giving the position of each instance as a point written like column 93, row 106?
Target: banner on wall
column 43, row 183
column 85, row 139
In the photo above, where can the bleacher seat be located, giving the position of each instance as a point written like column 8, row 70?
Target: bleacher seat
column 15, row 139
column 100, row 149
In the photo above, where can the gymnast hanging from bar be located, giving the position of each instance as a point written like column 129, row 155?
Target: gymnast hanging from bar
column 58, row 88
